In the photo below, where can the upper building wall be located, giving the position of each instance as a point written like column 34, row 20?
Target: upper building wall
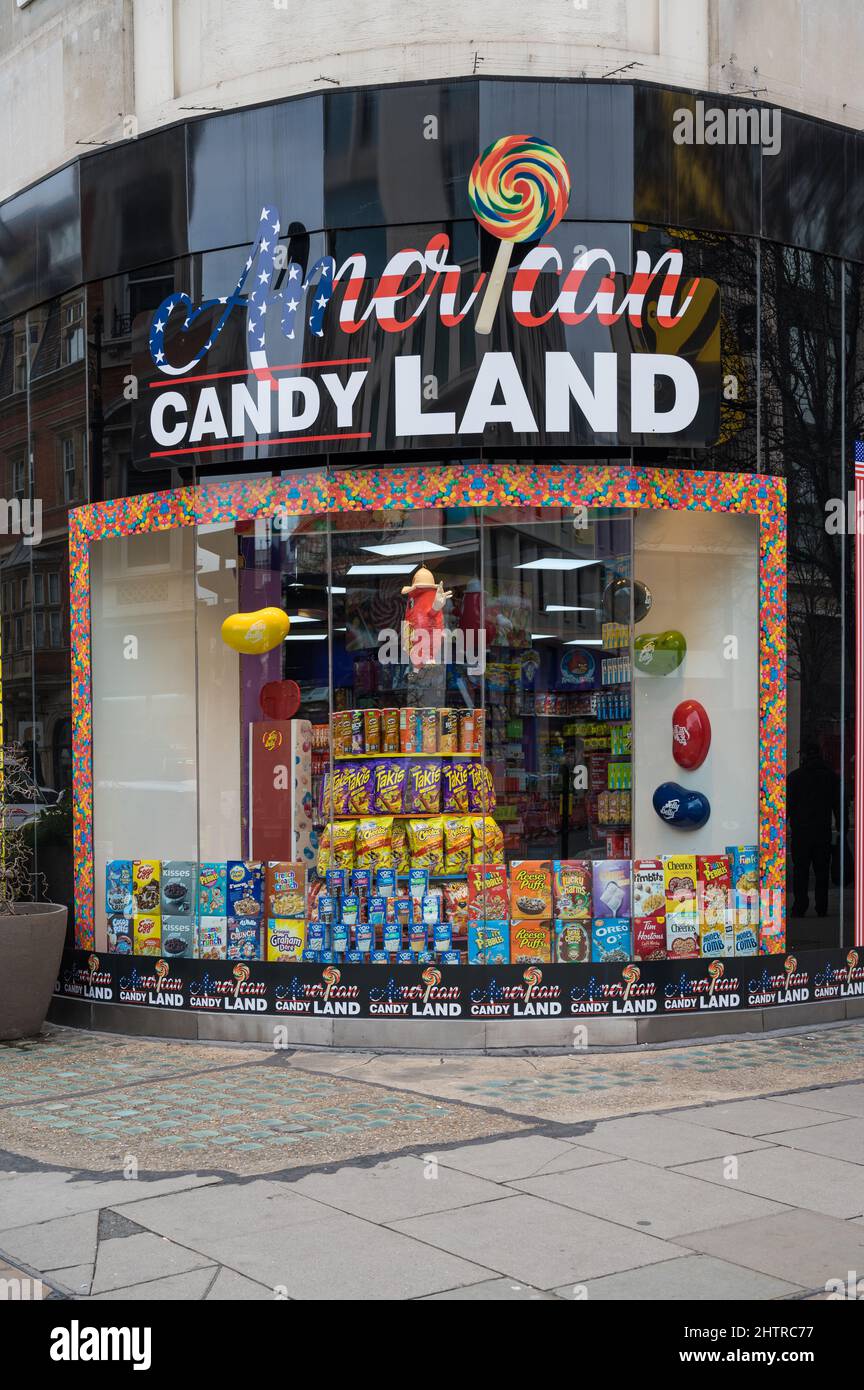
column 78, row 73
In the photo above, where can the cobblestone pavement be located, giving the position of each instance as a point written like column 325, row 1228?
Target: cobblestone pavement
column 162, row 1170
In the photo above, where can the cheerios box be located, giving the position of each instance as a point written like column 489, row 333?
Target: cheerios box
column 530, row 889
column 681, row 885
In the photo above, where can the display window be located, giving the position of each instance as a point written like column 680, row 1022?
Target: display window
column 468, row 715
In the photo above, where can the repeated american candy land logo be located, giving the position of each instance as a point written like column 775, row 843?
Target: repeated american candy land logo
column 718, row 988
column 240, row 993
column 327, row 996
column 526, row 998
column 158, row 987
column 788, row 985
column 87, row 981
column 427, row 997
column 840, row 981
column 628, row 995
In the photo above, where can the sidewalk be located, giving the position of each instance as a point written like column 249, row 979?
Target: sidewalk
column 186, row 1172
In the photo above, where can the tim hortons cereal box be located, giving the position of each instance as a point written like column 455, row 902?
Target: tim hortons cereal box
column 146, row 881
column 244, row 938
column 530, row 889
column 679, row 871
column 213, row 890
column 611, row 886
column 530, row 943
column 716, row 939
column 120, row 934
column 714, row 881
column 286, row 938
column 682, row 935
column 611, row 939
column 572, row 941
column 649, row 938
column 178, row 887
column 118, row 888
column 489, row 943
column 178, row 936
column 147, row 934
column 212, row 938
column 571, row 889
column 285, row 890
column 245, row 888
column 488, row 892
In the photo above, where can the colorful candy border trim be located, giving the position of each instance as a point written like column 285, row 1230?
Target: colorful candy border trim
column 316, row 491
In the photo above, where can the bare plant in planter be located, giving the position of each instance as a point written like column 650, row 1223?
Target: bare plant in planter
column 32, row 931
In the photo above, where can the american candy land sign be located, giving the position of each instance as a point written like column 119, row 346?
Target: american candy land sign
column 310, row 354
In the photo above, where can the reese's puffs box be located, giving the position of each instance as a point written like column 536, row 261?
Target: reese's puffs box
column 488, row 893
column 530, row 943
column 530, row 889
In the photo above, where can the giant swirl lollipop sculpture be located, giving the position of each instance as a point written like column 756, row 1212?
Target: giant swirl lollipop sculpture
column 519, row 189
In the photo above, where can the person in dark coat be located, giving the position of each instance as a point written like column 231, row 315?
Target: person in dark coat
column 813, row 809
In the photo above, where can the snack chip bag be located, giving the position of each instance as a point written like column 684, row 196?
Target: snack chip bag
column 457, row 844
column 359, row 785
column 334, row 792
column 454, row 788
column 388, row 781
column 422, row 792
column 399, row 846
column 372, row 844
column 487, row 841
column 339, row 855
column 481, row 789
column 426, row 844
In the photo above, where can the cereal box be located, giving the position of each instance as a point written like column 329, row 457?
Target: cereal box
column 714, row 882
column 746, row 939
column 284, row 890
column 716, row 939
column 179, row 889
column 572, row 941
column 611, row 887
column 744, row 869
column 611, row 939
column 286, row 938
column 147, row 934
column 212, row 890
column 118, row 887
column 682, row 935
column 571, row 888
column 146, row 881
column 488, row 892
column 212, row 938
column 649, row 938
column 679, row 871
column 178, row 936
column 530, row 943
column 245, row 889
column 244, row 938
column 120, row 934
column 649, row 888
column 488, row 943
column 531, row 889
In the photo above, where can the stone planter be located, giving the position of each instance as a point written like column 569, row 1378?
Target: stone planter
column 31, row 944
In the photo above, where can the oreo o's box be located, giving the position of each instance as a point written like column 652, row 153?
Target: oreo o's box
column 610, row 939
column 178, row 888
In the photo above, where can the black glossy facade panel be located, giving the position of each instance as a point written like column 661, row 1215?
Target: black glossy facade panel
column 399, row 154
column 245, row 160
column 133, row 204
column 712, row 187
column 591, row 124
column 40, row 242
column 804, row 187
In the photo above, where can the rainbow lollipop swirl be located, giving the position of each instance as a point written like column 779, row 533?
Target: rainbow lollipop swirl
column 519, row 189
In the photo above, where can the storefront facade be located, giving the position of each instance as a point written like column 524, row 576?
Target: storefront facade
column 562, row 728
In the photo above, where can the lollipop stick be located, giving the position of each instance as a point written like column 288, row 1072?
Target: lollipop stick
column 486, row 316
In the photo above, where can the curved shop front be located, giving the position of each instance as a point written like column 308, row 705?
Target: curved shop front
column 448, row 619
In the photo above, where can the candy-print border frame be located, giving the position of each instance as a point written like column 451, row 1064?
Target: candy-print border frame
column 320, row 490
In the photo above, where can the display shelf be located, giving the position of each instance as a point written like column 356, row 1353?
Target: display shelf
column 360, row 757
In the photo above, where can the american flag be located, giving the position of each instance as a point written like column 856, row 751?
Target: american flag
column 859, row 693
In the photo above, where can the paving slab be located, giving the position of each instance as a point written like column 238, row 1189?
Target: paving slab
column 257, row 1207
column 842, row 1100
column 176, row 1288
column 523, row 1156
column 236, row 1288
column 538, row 1242
column 397, row 1189
column 810, row 1181
column 77, row 1279
column 492, row 1291
column 664, row 1140
column 759, row 1117
column 140, row 1258
column 57, row 1244
column 36, row 1197
column 695, row 1278
column 838, row 1139
column 802, row 1246
column 655, row 1200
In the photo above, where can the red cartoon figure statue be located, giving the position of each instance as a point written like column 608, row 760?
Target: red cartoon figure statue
column 424, row 619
